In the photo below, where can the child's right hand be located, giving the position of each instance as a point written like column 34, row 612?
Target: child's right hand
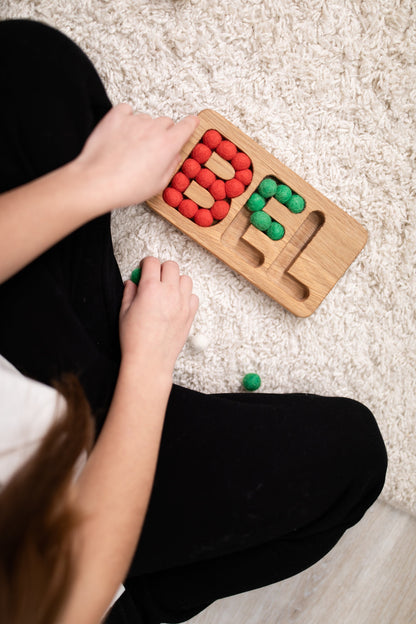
column 129, row 157
column 156, row 316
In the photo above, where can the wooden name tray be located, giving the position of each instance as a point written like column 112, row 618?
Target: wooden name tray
column 319, row 242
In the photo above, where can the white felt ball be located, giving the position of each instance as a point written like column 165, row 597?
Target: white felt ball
column 199, row 342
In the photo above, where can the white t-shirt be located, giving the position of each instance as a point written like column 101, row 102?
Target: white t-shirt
column 28, row 408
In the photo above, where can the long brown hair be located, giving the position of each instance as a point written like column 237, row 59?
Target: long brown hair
column 37, row 518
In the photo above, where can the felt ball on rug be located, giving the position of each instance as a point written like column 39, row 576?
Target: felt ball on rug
column 217, row 189
column 296, row 204
column 255, row 202
column 267, row 188
column 240, row 161
column 261, row 220
column 172, row 197
column 188, row 208
column 180, row 182
column 283, row 193
column 251, row 382
column 276, row 231
column 136, row 275
column 199, row 342
column 191, row 167
column 201, row 153
column 226, row 150
column 245, row 176
column 212, row 139
column 234, row 188
column 205, row 178
column 220, row 209
column 203, row 217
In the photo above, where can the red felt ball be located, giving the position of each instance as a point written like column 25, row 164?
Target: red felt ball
column 226, row 150
column 245, row 176
column 220, row 209
column 191, row 167
column 205, row 178
column 188, row 208
column 234, row 188
column 203, row 217
column 241, row 161
column 180, row 181
column 201, row 153
column 172, row 197
column 212, row 138
column 217, row 189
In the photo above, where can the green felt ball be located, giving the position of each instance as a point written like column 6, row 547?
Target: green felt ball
column 255, row 202
column 261, row 220
column 267, row 188
column 275, row 231
column 296, row 204
column 136, row 275
column 251, row 381
column 283, row 193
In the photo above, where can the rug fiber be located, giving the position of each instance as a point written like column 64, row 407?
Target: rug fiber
column 329, row 88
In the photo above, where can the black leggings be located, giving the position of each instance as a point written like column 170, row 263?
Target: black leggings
column 249, row 488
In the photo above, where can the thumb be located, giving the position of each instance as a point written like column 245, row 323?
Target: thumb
column 129, row 293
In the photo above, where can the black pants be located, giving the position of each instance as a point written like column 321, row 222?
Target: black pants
column 249, row 488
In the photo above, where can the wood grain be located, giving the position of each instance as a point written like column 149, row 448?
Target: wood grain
column 319, row 244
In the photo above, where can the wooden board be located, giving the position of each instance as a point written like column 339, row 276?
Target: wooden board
column 318, row 245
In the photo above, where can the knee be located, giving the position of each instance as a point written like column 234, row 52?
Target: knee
column 364, row 443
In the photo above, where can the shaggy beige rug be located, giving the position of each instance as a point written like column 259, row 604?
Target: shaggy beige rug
column 328, row 87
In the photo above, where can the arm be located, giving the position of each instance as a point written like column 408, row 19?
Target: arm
column 127, row 159
column 115, row 486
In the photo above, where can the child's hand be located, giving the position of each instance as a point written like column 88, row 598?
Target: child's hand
column 156, row 316
column 129, row 158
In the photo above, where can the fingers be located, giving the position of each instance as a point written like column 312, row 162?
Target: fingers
column 168, row 272
column 150, row 269
column 179, row 134
column 128, row 296
column 182, row 131
column 170, row 170
column 123, row 109
column 153, row 269
column 176, row 134
column 165, row 122
column 193, row 308
column 194, row 305
column 186, row 285
column 185, row 126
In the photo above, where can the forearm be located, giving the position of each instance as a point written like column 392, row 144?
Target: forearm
column 35, row 216
column 125, row 160
column 114, row 489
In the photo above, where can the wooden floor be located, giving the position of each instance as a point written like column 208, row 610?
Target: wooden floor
column 368, row 578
